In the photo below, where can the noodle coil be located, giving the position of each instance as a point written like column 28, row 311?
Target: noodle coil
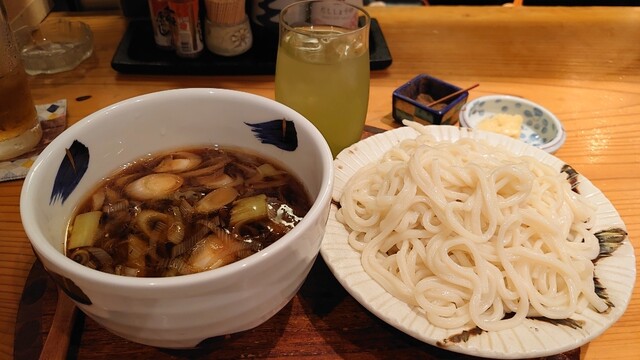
column 468, row 233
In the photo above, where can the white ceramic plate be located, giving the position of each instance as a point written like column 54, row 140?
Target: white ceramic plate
column 533, row 338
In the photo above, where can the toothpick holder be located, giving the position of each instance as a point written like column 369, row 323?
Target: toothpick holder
column 228, row 40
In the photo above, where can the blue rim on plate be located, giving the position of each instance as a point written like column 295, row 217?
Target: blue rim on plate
column 540, row 127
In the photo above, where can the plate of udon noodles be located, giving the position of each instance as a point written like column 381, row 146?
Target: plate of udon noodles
column 476, row 242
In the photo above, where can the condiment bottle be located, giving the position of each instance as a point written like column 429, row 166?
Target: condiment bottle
column 162, row 23
column 187, row 32
column 336, row 13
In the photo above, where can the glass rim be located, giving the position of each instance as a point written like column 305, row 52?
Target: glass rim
column 288, row 27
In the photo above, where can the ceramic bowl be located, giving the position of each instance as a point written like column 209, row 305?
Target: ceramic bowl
column 411, row 99
column 181, row 311
column 540, row 127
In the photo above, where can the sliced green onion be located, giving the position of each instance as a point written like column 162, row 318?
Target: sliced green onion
column 216, row 199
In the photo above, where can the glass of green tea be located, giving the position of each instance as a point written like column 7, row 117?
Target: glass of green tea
column 322, row 68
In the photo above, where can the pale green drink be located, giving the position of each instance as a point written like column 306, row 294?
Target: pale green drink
column 323, row 73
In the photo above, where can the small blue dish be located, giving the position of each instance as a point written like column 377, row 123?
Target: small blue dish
column 540, row 127
column 410, row 101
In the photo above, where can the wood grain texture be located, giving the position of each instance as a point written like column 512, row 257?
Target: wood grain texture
column 322, row 322
column 581, row 63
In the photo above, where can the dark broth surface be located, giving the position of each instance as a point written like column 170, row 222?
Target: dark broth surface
column 185, row 212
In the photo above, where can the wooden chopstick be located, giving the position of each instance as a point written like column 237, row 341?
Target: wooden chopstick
column 452, row 95
column 57, row 344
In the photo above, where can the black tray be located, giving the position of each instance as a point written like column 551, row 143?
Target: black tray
column 137, row 54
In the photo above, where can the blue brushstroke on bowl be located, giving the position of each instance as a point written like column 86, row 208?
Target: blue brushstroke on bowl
column 280, row 133
column 71, row 170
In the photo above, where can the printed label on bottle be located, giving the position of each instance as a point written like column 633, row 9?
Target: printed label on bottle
column 162, row 21
column 337, row 13
column 187, row 37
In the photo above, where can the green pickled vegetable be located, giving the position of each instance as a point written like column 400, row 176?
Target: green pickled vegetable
column 249, row 209
column 268, row 170
column 84, row 230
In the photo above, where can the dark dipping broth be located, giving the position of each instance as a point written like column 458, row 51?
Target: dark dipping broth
column 185, row 212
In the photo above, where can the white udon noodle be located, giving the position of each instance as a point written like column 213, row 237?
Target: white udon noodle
column 469, row 232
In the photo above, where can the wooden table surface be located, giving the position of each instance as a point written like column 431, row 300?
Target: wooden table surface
column 581, row 63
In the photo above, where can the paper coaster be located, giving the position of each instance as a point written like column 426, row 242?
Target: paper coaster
column 53, row 119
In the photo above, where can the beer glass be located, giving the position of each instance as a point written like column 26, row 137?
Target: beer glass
column 322, row 67
column 20, row 129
